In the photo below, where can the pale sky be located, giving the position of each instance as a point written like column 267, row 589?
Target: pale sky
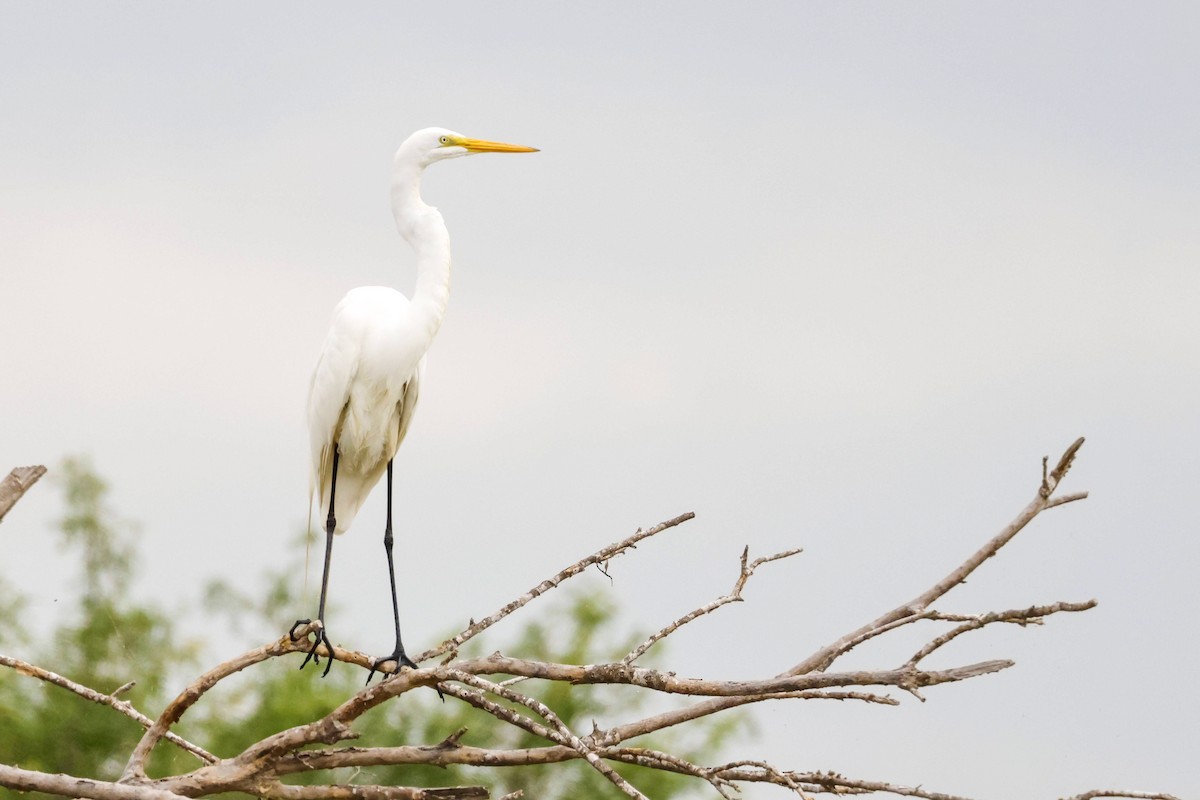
column 830, row 276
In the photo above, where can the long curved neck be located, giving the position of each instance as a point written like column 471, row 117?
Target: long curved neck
column 422, row 227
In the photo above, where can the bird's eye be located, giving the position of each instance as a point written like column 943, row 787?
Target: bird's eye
column 445, row 140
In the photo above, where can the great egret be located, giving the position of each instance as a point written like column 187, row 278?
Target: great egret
column 369, row 373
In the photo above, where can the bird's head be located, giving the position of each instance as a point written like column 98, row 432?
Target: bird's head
column 435, row 144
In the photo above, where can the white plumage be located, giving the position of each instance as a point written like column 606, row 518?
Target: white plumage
column 363, row 394
column 368, row 377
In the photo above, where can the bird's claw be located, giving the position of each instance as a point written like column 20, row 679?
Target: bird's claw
column 322, row 638
column 400, row 657
column 300, row 623
column 402, row 660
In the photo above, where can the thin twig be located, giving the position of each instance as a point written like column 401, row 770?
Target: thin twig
column 599, row 557
column 776, row 775
column 1019, row 616
column 503, row 713
column 827, row 782
column 1066, row 498
column 110, row 700
column 657, row 759
column 734, row 596
column 818, row 694
column 568, row 738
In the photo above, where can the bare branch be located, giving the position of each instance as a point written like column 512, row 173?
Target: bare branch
column 135, row 768
column 561, row 728
column 261, row 757
column 503, row 713
column 366, row 792
column 110, row 700
column 734, row 596
column 450, row 752
column 915, row 608
column 16, row 483
column 1020, row 616
column 833, row 783
column 1066, row 498
column 816, row 694
column 821, row 659
column 657, row 759
column 258, row 769
column 599, row 557
column 435, row 756
column 24, row 780
column 619, row 673
column 772, row 774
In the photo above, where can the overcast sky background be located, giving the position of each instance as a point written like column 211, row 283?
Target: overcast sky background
column 830, row 276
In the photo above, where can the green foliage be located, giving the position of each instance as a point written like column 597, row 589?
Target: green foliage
column 109, row 639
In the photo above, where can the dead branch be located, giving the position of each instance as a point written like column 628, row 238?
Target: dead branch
column 625, row 674
column 734, row 596
column 599, row 557
column 110, row 700
column 826, row 782
column 478, row 683
column 502, row 713
column 175, row 710
column 564, row 734
column 1021, row 616
column 825, row 656
column 24, row 780
column 366, row 792
column 16, row 483
column 902, row 614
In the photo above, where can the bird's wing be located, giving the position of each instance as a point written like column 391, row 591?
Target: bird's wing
column 328, row 394
column 408, row 401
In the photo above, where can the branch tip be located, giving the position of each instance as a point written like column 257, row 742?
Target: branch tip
column 16, row 483
column 1067, row 460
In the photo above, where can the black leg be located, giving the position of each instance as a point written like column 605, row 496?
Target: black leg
column 330, row 525
column 398, row 655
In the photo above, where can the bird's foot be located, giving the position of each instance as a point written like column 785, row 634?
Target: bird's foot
column 300, row 623
column 321, row 638
column 398, row 656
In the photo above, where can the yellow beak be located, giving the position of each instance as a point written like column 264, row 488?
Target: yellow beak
column 484, row 146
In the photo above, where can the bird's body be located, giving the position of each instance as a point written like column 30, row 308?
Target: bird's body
column 368, row 377
column 363, row 395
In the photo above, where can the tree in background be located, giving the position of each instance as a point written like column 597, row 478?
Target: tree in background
column 106, row 639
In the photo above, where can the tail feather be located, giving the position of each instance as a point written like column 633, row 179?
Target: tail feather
column 352, row 491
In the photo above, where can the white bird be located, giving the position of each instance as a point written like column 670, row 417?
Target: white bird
column 369, row 372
